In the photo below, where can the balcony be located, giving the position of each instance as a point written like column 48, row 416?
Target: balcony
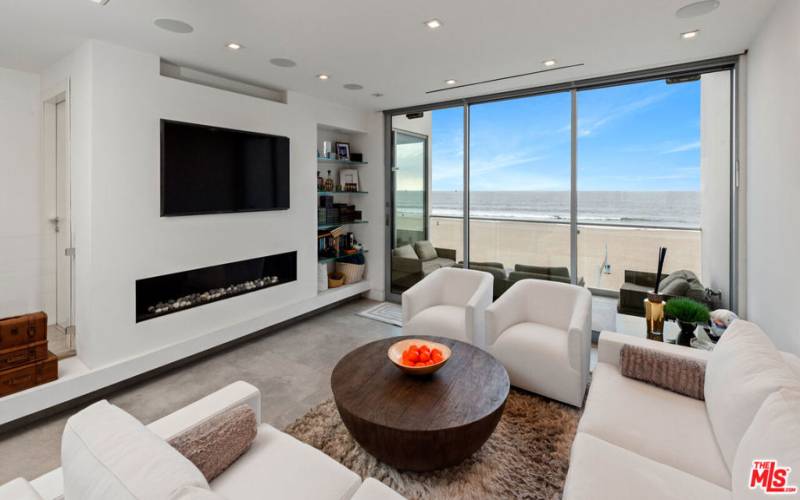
column 605, row 251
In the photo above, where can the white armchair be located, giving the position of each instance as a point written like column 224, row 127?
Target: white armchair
column 541, row 332
column 449, row 302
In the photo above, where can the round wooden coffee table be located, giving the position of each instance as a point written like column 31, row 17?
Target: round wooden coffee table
column 420, row 423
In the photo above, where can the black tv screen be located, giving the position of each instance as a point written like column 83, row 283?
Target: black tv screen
column 206, row 170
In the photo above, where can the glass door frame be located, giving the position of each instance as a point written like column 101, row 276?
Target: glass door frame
column 729, row 63
column 390, row 198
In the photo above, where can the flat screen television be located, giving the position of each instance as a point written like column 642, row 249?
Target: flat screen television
column 209, row 170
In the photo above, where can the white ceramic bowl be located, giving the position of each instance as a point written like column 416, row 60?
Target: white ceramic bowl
column 395, row 353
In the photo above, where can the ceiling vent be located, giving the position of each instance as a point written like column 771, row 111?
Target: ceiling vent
column 500, row 79
column 199, row 77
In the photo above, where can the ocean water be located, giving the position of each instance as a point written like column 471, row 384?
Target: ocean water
column 646, row 208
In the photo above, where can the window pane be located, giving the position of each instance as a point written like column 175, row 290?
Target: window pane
column 520, row 188
column 653, row 170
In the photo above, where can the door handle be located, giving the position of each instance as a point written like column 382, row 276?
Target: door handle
column 69, row 252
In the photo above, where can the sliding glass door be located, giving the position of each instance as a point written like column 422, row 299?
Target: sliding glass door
column 427, row 189
column 410, row 172
column 581, row 186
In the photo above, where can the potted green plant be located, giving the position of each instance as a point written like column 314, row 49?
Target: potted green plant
column 688, row 314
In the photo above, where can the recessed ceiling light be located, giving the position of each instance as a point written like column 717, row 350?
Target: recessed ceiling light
column 100, row 2
column 690, row 34
column 173, row 25
column 233, row 46
column 433, row 24
column 323, row 76
column 450, row 82
column 353, row 86
column 697, row 9
column 377, row 94
column 283, row 62
column 549, row 62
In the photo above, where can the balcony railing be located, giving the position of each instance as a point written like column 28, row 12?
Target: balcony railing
column 605, row 251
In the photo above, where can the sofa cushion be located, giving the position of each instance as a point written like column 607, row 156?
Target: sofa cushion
column 372, row 489
column 442, row 320
column 18, row 489
column 432, row 265
column 499, row 274
column 774, row 435
column 107, row 453
column 214, row 445
column 532, row 269
column 496, row 265
column 405, row 252
column 280, row 466
column 601, row 470
column 653, row 422
column 744, row 368
column 536, row 357
column 196, row 493
column 424, row 250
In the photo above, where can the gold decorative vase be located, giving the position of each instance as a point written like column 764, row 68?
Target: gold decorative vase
column 654, row 316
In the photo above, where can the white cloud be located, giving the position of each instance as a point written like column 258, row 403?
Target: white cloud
column 689, row 146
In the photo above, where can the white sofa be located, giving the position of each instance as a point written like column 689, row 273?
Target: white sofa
column 449, row 302
column 276, row 466
column 637, row 440
column 542, row 333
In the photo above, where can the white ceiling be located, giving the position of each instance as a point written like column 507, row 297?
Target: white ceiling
column 384, row 45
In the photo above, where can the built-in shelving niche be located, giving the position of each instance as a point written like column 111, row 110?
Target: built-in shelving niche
column 171, row 293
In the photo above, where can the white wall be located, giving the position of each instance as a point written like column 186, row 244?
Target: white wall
column 20, row 193
column 125, row 239
column 773, row 177
column 715, row 163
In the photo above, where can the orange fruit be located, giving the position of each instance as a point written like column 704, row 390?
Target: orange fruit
column 436, row 351
column 413, row 356
column 424, row 356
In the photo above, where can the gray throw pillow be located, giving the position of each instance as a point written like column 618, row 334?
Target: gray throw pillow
column 425, row 250
column 215, row 444
column 675, row 288
column 405, row 252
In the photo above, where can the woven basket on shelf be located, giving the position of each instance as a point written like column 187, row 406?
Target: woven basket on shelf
column 335, row 280
column 353, row 273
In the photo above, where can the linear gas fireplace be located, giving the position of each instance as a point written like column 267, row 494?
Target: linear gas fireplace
column 175, row 292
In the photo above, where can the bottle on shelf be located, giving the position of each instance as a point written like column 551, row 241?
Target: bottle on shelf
column 320, row 182
column 329, row 184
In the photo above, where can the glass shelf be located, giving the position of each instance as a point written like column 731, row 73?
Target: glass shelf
column 341, row 162
column 332, row 226
column 325, row 260
column 340, row 192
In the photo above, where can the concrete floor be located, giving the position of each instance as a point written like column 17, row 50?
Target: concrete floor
column 291, row 367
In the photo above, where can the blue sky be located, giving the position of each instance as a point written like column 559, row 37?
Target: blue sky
column 641, row 137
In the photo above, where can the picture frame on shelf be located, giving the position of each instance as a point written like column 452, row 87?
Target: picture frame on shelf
column 348, row 179
column 343, row 150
